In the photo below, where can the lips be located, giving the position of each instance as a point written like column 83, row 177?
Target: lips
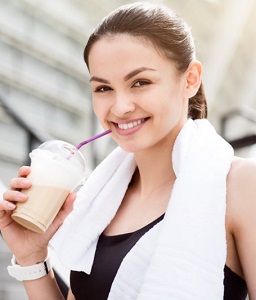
column 125, row 126
column 129, row 127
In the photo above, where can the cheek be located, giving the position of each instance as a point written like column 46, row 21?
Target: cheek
column 94, row 105
column 100, row 108
column 96, row 108
column 97, row 104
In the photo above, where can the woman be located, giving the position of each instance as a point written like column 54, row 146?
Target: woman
column 154, row 219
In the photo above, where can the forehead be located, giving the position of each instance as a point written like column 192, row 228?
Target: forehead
column 114, row 43
column 119, row 50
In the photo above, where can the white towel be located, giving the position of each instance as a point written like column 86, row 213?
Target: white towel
column 183, row 256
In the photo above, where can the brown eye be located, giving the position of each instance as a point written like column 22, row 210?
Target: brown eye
column 102, row 89
column 141, row 83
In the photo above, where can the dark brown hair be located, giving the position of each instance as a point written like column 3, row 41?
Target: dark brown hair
column 164, row 29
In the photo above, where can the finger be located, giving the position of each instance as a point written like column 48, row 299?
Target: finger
column 24, row 171
column 66, row 208
column 19, row 183
column 5, row 215
column 63, row 213
column 5, row 219
column 14, row 196
column 69, row 204
column 6, row 206
column 2, row 214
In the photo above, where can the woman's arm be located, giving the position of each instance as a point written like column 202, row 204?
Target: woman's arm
column 43, row 288
column 70, row 295
column 29, row 247
column 242, row 211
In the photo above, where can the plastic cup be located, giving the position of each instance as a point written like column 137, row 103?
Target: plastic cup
column 57, row 168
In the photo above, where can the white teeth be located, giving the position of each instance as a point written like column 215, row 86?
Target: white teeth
column 130, row 125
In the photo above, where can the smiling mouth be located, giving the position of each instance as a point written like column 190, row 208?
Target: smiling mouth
column 125, row 126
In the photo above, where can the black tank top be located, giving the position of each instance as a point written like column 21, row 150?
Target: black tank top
column 109, row 254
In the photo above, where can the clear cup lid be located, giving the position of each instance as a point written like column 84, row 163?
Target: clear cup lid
column 63, row 150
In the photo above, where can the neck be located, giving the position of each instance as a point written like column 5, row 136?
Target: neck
column 155, row 169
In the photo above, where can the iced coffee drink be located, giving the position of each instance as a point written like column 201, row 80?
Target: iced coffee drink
column 57, row 168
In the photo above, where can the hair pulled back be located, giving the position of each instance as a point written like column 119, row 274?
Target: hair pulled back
column 164, row 29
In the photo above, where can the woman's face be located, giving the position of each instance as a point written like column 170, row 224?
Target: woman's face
column 137, row 93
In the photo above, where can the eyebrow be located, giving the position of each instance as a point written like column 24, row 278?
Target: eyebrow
column 126, row 77
column 136, row 72
column 98, row 79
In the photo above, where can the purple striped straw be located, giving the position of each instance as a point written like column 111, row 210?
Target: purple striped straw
column 93, row 138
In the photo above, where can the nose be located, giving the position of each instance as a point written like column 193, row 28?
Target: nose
column 123, row 104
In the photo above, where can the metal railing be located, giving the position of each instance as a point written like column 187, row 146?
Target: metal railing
column 34, row 136
column 248, row 114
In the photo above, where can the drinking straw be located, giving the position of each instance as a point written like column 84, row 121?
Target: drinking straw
column 93, row 138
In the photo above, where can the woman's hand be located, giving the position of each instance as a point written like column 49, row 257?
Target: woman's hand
column 27, row 246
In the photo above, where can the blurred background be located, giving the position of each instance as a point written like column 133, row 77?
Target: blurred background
column 44, row 89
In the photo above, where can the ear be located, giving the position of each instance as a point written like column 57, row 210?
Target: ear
column 193, row 77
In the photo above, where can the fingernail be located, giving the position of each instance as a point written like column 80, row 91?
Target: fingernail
column 21, row 196
column 25, row 181
column 11, row 205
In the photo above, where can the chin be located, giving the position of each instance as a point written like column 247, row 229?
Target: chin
column 127, row 149
column 130, row 148
column 133, row 148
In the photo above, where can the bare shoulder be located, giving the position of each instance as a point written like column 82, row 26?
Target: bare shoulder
column 241, row 216
column 241, row 167
column 241, row 180
column 241, row 191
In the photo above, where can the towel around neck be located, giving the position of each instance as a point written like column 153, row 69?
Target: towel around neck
column 180, row 258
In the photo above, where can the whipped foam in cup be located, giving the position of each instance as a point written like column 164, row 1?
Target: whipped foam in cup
column 57, row 168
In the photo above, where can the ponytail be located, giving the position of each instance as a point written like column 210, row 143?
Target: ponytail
column 197, row 108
